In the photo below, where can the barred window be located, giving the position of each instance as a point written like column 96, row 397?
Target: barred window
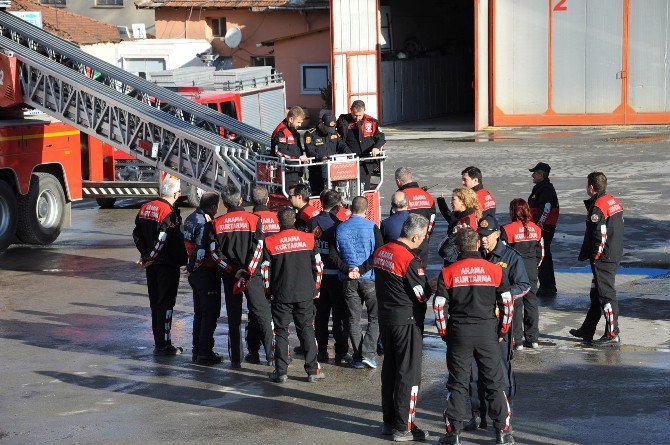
column 109, row 2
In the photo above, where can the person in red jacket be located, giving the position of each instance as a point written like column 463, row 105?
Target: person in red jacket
column 468, row 293
column 159, row 239
column 298, row 195
column 526, row 238
column 543, row 202
column 292, row 270
column 236, row 245
column 420, row 202
column 402, row 290
column 260, row 199
column 286, row 144
column 471, row 178
column 363, row 135
column 603, row 248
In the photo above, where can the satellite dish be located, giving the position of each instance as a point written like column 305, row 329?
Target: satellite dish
column 233, row 37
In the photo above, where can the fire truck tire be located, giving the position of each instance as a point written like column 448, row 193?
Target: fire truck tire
column 8, row 215
column 41, row 210
column 106, row 203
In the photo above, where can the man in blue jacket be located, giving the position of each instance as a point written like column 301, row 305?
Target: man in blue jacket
column 356, row 240
column 392, row 225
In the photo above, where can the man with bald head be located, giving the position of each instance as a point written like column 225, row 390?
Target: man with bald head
column 392, row 225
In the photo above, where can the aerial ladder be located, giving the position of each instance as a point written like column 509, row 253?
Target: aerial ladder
column 153, row 124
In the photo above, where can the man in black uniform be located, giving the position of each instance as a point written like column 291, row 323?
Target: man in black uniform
column 320, row 143
column 292, row 270
column 603, row 247
column 420, row 202
column 159, row 239
column 204, row 280
column 514, row 273
column 402, row 290
column 323, row 228
column 286, row 144
column 236, row 245
column 543, row 202
column 465, row 305
column 363, row 136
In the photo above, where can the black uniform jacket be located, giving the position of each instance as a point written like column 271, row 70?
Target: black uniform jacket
column 291, row 267
column 543, row 202
column 158, row 235
column 603, row 238
column 513, row 267
column 269, row 220
column 486, row 202
column 525, row 240
column 318, row 145
column 286, row 142
column 401, row 285
column 468, row 292
column 236, row 241
column 195, row 241
column 360, row 137
column 421, row 202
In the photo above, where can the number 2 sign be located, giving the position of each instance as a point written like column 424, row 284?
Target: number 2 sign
column 561, row 5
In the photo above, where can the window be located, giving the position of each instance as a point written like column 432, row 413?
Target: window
column 219, row 27
column 53, row 2
column 108, row 2
column 263, row 61
column 141, row 67
column 313, row 77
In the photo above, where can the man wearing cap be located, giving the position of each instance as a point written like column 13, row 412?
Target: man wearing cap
column 320, row 143
column 514, row 272
column 543, row 202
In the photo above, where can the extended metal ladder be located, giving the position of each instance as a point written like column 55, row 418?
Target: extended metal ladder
column 161, row 128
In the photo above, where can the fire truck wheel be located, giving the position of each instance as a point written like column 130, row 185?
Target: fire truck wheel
column 106, row 203
column 8, row 215
column 41, row 211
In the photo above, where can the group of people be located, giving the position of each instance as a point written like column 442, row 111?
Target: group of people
column 303, row 265
column 355, row 132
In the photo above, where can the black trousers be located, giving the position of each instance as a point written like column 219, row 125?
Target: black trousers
column 478, row 390
column 331, row 300
column 368, row 169
column 206, row 287
column 260, row 321
column 603, row 300
column 163, row 285
column 401, row 374
column 546, row 269
column 358, row 293
column 302, row 315
column 259, row 330
column 526, row 321
column 486, row 353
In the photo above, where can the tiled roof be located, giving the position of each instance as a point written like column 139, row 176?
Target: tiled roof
column 274, row 4
column 67, row 25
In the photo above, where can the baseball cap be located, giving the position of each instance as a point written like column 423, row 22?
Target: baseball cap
column 329, row 121
column 487, row 225
column 541, row 166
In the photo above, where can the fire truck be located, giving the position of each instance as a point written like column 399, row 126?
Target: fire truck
column 253, row 95
column 40, row 159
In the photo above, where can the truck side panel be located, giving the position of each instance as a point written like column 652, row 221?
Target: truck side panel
column 24, row 147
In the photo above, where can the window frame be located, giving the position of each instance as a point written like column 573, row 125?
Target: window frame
column 54, row 3
column 109, row 3
column 219, row 20
column 302, row 76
